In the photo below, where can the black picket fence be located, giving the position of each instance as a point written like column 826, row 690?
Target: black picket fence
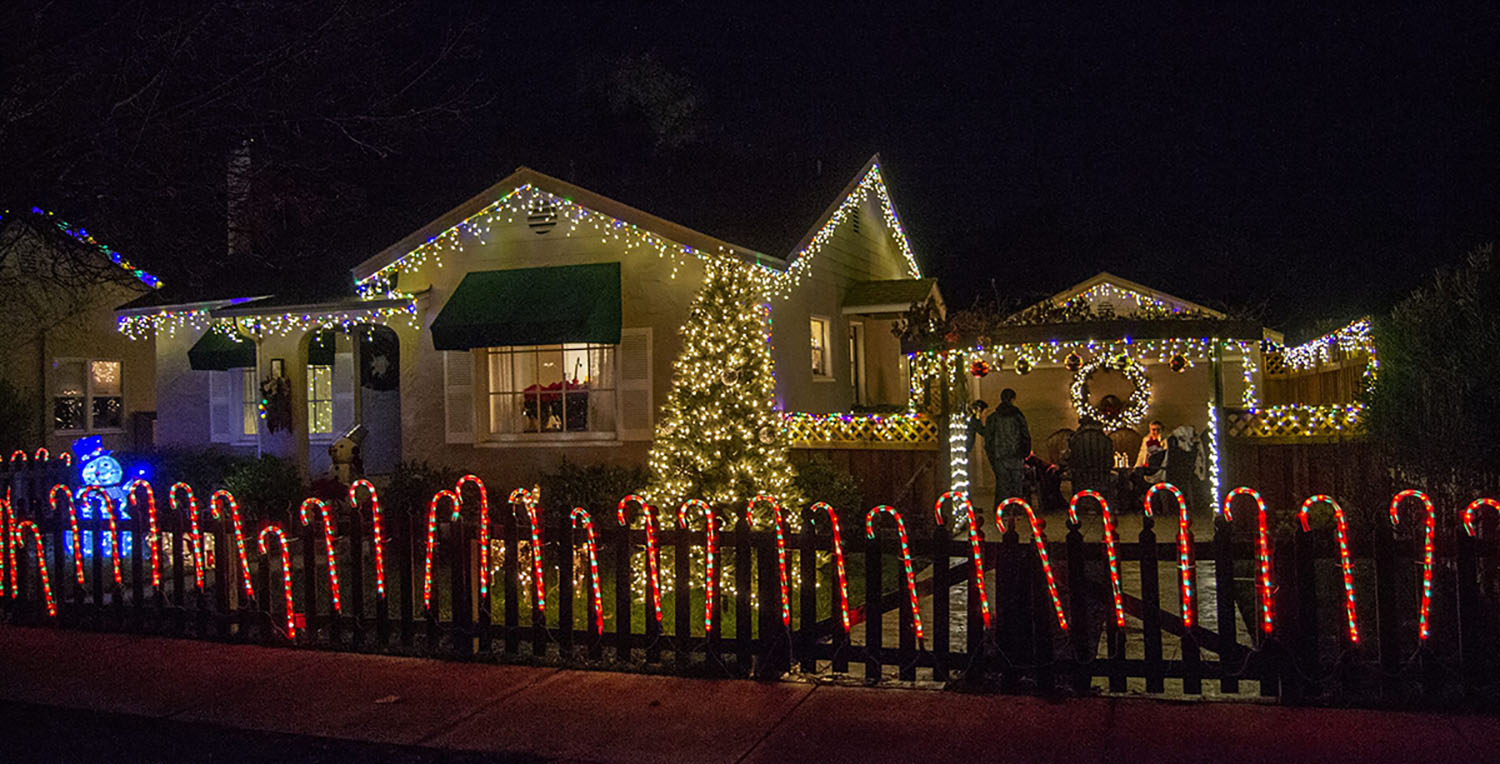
column 1309, row 655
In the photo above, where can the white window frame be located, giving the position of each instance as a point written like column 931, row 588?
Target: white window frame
column 88, row 397
column 826, row 332
column 515, row 351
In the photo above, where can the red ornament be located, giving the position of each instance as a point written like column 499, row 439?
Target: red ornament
column 979, row 368
column 1074, row 362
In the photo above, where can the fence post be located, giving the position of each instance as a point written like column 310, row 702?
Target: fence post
column 462, row 626
column 743, row 614
column 1305, row 634
column 774, row 649
column 140, row 544
column 539, row 614
column 1224, row 593
column 406, row 564
column 624, row 593
column 1010, row 599
column 1084, row 643
column 807, row 597
column 941, row 605
column 1388, row 608
column 356, row 525
column 873, row 614
column 511, row 573
column 310, row 580
column 1151, row 606
column 565, row 546
column 682, row 597
column 1470, row 616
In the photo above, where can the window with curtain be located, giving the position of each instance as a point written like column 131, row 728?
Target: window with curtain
column 820, row 367
column 87, row 395
column 552, row 390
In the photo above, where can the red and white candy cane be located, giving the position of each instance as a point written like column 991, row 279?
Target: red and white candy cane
column 1039, row 540
column 67, row 493
column 1345, row 563
column 12, row 540
column 224, row 498
column 780, row 522
column 838, row 561
column 1184, row 548
column 1262, row 554
column 1427, row 549
column 196, row 537
column 106, row 508
column 432, row 507
column 960, row 499
column 286, row 573
column 1110, row 554
column 484, row 528
column 1473, row 509
column 153, row 531
column 330, row 545
column 528, row 500
column 42, row 455
column 581, row 516
column 67, row 458
column 41, row 561
column 711, row 547
column 653, row 552
column 18, row 456
column 379, row 522
column 911, row 576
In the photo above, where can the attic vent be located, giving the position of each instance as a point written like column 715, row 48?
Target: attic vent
column 542, row 218
column 854, row 223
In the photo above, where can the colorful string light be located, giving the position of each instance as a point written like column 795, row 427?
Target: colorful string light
column 42, row 455
column 67, row 493
column 711, row 547
column 67, row 458
column 780, row 522
column 960, row 499
column 12, row 540
column 196, row 538
column 330, row 546
column 223, row 497
column 41, row 562
column 581, row 515
column 286, row 573
column 528, row 500
column 1039, row 540
column 1473, row 509
column 1430, row 532
column 1184, row 548
column 1262, row 553
column 1346, row 565
column 484, row 528
column 1109, row 547
column 653, row 552
column 379, row 523
column 911, row 576
column 838, row 560
column 18, row 455
column 154, row 529
column 432, row 507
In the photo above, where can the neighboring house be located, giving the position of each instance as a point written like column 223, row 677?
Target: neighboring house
column 76, row 375
column 536, row 322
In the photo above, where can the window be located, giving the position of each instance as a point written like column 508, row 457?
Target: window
column 87, row 395
column 319, row 400
column 552, row 389
column 820, row 347
column 249, row 403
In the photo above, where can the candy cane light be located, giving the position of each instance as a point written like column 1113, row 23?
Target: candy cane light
column 42, row 455
column 67, row 458
column 960, row 499
column 153, row 536
column 911, row 576
column 266, row 534
column 1110, row 554
column 1430, row 532
column 106, row 508
column 1184, row 548
column 1346, row 565
column 653, row 552
column 378, row 521
column 67, row 494
column 780, row 523
column 711, row 547
column 580, row 516
column 432, row 508
column 528, row 501
column 41, row 561
column 330, row 545
column 1039, row 540
column 17, row 456
column 223, row 498
column 484, row 528
column 838, row 561
column 12, row 540
column 196, row 537
column 1262, row 554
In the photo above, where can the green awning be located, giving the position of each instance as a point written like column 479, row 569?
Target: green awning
column 217, row 351
column 532, row 306
column 320, row 349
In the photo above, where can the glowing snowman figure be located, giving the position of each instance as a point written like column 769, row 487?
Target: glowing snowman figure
column 98, row 467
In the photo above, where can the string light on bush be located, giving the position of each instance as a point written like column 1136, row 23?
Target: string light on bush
column 653, row 552
column 1039, row 540
column 330, row 546
column 1346, row 565
column 1429, row 533
column 528, row 501
column 1184, row 547
column 961, row 501
column 223, row 498
column 41, row 562
column 1262, row 553
column 484, row 528
column 911, row 576
column 432, row 507
column 1110, row 554
column 579, row 517
column 711, row 546
column 838, row 560
column 153, row 529
column 266, row 534
column 196, row 538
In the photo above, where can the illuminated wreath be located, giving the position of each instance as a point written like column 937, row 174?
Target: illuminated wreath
column 1134, row 410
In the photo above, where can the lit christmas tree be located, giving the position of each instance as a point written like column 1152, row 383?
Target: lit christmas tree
column 719, row 437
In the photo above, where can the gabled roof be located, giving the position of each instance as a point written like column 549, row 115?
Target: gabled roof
column 867, row 180
column 1105, row 279
column 886, row 297
column 526, row 177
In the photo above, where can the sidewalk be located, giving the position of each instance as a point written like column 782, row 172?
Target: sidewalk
column 546, row 714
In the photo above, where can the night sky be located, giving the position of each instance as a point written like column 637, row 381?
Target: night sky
column 1308, row 163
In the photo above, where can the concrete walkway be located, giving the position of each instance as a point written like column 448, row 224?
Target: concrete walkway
column 551, row 714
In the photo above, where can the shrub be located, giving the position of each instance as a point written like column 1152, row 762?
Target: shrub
column 17, row 419
column 413, row 483
column 819, row 479
column 268, row 487
column 595, row 487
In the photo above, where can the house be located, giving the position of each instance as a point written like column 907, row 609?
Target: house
column 73, row 374
column 537, row 321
